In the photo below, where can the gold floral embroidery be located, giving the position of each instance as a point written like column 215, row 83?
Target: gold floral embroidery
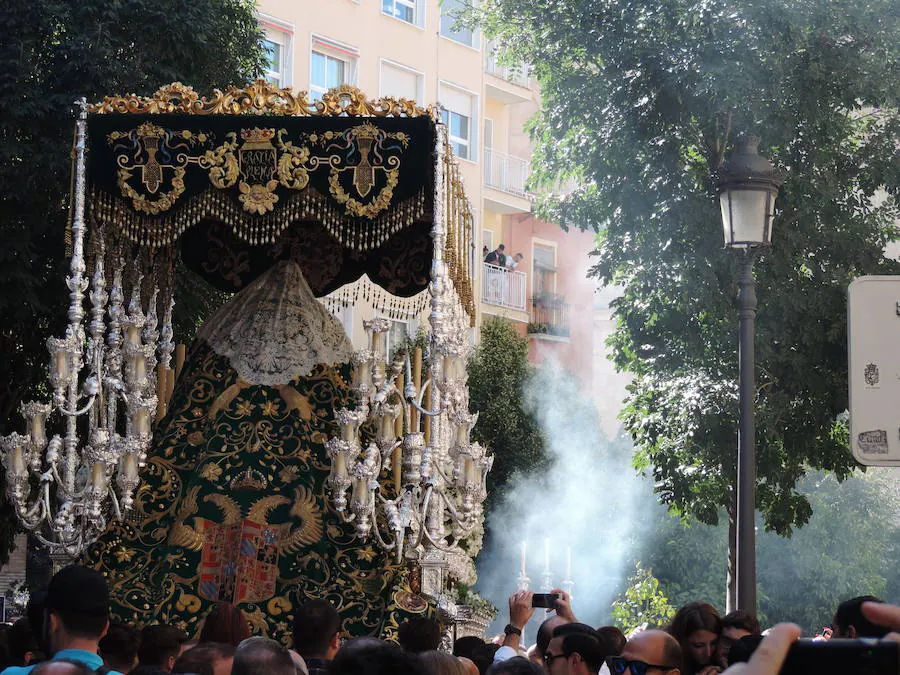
column 258, row 199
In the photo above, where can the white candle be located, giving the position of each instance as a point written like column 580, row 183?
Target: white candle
column 38, row 433
column 62, row 364
column 340, row 465
column 348, row 431
column 140, row 369
column 470, row 471
column 378, row 344
column 142, row 422
column 129, row 467
column 524, row 556
column 18, row 462
column 98, row 477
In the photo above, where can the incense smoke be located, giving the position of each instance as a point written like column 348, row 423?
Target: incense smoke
column 586, row 501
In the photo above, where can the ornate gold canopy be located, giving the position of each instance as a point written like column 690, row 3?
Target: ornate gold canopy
column 261, row 98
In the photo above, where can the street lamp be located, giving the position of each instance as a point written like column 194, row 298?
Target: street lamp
column 747, row 186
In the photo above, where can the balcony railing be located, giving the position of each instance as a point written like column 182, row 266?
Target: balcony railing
column 549, row 316
column 505, row 172
column 518, row 74
column 503, row 287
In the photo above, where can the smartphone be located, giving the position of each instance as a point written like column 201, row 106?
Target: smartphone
column 863, row 656
column 547, row 600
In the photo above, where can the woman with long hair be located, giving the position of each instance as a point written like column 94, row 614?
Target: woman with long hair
column 697, row 627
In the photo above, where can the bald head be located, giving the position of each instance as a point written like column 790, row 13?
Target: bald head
column 545, row 632
column 655, row 647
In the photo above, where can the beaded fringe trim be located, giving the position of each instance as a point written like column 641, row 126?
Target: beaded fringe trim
column 155, row 231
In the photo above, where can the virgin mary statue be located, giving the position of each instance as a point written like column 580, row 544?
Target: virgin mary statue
column 232, row 506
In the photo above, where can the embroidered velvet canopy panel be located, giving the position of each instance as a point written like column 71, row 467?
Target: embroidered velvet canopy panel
column 342, row 194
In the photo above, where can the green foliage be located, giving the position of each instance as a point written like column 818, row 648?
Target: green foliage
column 643, row 604
column 52, row 53
column 848, row 548
column 641, row 100
column 497, row 373
column 463, row 595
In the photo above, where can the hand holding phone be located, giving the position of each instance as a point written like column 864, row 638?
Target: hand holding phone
column 546, row 600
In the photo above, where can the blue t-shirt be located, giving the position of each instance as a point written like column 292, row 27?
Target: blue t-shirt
column 89, row 659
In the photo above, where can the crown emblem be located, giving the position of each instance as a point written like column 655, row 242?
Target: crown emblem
column 249, row 479
column 257, row 135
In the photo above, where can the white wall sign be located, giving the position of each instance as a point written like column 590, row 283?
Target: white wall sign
column 873, row 326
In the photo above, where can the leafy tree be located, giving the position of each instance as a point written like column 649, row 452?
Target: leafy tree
column 641, row 101
column 497, row 373
column 54, row 52
column 848, row 548
column 643, row 604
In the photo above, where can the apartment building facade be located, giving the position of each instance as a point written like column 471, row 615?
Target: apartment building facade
column 415, row 49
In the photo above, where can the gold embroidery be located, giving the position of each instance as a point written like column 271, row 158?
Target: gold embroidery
column 261, row 98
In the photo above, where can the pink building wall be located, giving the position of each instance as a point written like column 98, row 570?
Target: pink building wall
column 575, row 353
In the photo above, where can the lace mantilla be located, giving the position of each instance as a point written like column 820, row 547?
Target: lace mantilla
column 275, row 330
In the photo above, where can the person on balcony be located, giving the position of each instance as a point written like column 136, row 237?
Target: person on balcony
column 512, row 262
column 496, row 257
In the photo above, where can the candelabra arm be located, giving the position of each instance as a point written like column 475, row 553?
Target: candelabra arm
column 82, row 411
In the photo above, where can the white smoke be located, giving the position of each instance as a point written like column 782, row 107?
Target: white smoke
column 587, row 501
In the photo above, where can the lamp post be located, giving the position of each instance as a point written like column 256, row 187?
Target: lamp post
column 747, row 187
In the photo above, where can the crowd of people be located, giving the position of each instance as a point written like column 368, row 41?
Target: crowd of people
column 68, row 631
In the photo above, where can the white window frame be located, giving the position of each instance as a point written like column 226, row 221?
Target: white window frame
column 476, row 35
column 335, row 50
column 417, row 6
column 473, row 115
column 547, row 244
column 420, row 77
column 487, row 241
column 280, row 33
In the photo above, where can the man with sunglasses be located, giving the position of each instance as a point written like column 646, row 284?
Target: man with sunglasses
column 652, row 652
column 575, row 649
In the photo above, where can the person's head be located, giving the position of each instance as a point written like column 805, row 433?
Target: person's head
column 119, row 647
column 23, row 644
column 76, row 609
column 735, row 625
column 317, row 628
column 469, row 665
column 209, row 658
column 697, row 626
column 441, row 663
column 226, row 624
column 373, row 657
column 484, row 657
column 518, row 257
column 574, row 649
column 516, row 666
column 262, row 656
column 612, row 639
column 62, row 667
column 419, row 634
column 161, row 645
column 467, row 646
column 545, row 633
column 849, row 621
column 651, row 652
column 500, row 248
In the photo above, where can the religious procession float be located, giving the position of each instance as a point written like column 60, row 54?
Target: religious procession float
column 271, row 461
